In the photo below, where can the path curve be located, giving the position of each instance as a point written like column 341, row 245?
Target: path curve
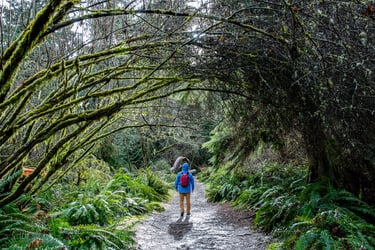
column 209, row 227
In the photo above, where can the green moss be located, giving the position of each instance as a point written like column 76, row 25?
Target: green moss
column 26, row 42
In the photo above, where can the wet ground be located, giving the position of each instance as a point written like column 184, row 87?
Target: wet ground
column 210, row 226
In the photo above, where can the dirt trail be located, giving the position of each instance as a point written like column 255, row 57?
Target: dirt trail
column 210, row 226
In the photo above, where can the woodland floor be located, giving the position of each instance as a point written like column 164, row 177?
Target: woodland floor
column 210, row 226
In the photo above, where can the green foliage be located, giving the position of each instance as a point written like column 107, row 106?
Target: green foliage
column 237, row 185
column 94, row 237
column 92, row 172
column 161, row 169
column 12, row 221
column 109, row 153
column 18, row 230
column 85, row 216
column 89, row 210
column 335, row 219
column 122, row 149
column 275, row 207
column 151, row 179
column 224, row 186
column 115, row 236
column 123, row 196
column 226, row 191
column 304, row 216
column 217, row 145
column 33, row 204
column 92, row 218
column 33, row 240
column 248, row 196
column 137, row 187
column 274, row 246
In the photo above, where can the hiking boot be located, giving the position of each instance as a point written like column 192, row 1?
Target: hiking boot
column 188, row 214
column 182, row 214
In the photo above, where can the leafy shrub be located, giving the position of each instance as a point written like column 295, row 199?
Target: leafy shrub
column 275, row 208
column 316, row 216
column 33, row 240
column 248, row 197
column 89, row 210
column 226, row 191
column 19, row 230
column 151, row 179
column 101, row 209
column 134, row 188
column 115, row 236
column 336, row 220
column 94, row 237
column 230, row 186
column 84, row 216
column 224, row 185
column 304, row 216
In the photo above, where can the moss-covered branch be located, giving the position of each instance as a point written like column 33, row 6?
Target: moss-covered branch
column 84, row 61
column 23, row 186
column 27, row 41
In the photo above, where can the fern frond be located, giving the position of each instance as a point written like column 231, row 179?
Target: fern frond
column 24, row 240
column 18, row 223
column 302, row 225
column 306, row 240
column 325, row 240
column 91, row 236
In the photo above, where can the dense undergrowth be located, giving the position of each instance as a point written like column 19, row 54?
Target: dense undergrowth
column 97, row 214
column 299, row 215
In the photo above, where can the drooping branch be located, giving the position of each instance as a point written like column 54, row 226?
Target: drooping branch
column 121, row 12
column 58, row 68
column 23, row 186
column 25, row 43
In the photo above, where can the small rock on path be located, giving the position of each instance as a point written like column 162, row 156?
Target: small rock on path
column 210, row 226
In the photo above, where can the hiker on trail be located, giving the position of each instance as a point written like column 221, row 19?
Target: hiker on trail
column 184, row 184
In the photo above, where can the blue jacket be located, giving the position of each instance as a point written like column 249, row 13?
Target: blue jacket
column 190, row 187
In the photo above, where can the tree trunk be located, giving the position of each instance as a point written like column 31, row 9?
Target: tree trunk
column 326, row 162
column 320, row 166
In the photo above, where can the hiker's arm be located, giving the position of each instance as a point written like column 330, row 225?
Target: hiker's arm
column 192, row 183
column 176, row 182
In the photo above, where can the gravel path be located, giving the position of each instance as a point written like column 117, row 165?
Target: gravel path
column 210, row 226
